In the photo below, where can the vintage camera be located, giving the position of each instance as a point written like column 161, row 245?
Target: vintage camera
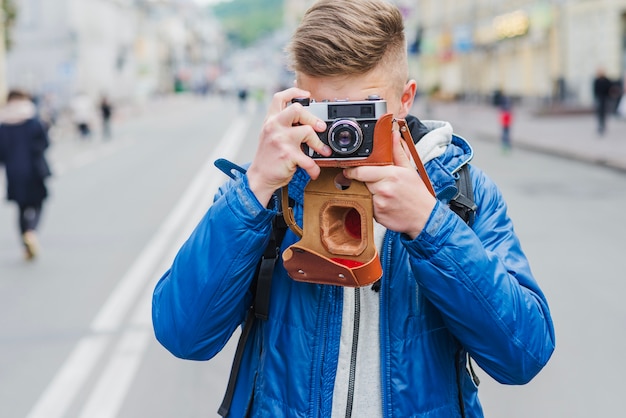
column 337, row 234
column 349, row 126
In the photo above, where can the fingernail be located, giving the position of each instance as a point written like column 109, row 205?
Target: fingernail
column 320, row 125
column 327, row 149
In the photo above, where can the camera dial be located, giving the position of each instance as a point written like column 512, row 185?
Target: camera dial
column 345, row 136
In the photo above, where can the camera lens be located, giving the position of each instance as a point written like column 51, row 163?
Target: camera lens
column 345, row 137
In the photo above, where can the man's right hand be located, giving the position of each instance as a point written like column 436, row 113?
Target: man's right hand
column 279, row 151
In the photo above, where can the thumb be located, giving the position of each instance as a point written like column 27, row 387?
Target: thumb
column 400, row 151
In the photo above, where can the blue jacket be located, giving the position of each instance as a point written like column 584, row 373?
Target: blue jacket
column 451, row 291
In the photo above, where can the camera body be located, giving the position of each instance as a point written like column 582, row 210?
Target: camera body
column 349, row 127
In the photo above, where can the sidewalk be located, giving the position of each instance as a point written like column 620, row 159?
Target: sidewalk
column 570, row 136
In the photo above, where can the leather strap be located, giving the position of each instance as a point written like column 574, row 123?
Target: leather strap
column 290, row 220
column 405, row 132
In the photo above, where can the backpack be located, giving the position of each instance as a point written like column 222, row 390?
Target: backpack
column 462, row 204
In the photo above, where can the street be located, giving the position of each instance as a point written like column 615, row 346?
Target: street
column 568, row 217
column 76, row 337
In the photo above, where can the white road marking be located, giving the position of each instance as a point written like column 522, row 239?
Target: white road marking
column 57, row 397
column 112, row 386
column 109, row 392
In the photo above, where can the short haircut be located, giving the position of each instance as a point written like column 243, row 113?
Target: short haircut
column 16, row 94
column 350, row 38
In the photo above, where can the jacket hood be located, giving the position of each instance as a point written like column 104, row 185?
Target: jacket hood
column 443, row 154
column 16, row 112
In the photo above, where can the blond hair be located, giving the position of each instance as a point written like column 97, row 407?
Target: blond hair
column 350, row 38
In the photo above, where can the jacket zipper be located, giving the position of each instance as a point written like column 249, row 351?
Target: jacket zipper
column 355, row 346
column 459, row 384
column 384, row 336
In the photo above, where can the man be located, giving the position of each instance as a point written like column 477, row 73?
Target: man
column 106, row 111
column 602, row 87
column 397, row 348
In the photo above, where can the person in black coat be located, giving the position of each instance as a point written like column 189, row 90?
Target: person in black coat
column 23, row 141
column 602, row 87
column 106, row 111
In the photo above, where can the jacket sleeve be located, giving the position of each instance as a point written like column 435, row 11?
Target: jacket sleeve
column 39, row 144
column 204, row 296
column 481, row 282
column 42, row 141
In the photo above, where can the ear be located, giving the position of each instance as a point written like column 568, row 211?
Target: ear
column 408, row 95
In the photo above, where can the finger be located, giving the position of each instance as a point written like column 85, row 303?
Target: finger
column 400, row 151
column 308, row 164
column 312, row 140
column 366, row 174
column 302, row 126
column 296, row 114
column 282, row 99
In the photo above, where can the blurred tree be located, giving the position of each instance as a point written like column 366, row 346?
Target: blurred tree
column 245, row 21
column 9, row 11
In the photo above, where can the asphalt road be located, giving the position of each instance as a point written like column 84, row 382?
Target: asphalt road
column 568, row 216
column 75, row 332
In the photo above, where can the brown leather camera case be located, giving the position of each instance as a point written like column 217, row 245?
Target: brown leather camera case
column 337, row 243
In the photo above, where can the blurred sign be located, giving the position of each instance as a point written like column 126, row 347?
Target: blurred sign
column 511, row 25
column 463, row 39
column 446, row 42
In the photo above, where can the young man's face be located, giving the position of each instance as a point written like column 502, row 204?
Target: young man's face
column 355, row 88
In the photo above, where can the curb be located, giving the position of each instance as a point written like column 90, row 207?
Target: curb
column 616, row 165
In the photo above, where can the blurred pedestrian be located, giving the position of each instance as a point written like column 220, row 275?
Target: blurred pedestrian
column 83, row 114
column 106, row 111
column 601, row 92
column 23, row 141
column 497, row 98
column 506, row 119
column 243, row 97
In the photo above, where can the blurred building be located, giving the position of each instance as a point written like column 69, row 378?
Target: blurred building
column 127, row 49
column 179, row 46
column 541, row 50
column 546, row 50
column 66, row 46
column 3, row 77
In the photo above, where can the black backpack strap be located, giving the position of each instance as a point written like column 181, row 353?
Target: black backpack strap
column 261, row 287
column 234, row 371
column 463, row 203
column 268, row 261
